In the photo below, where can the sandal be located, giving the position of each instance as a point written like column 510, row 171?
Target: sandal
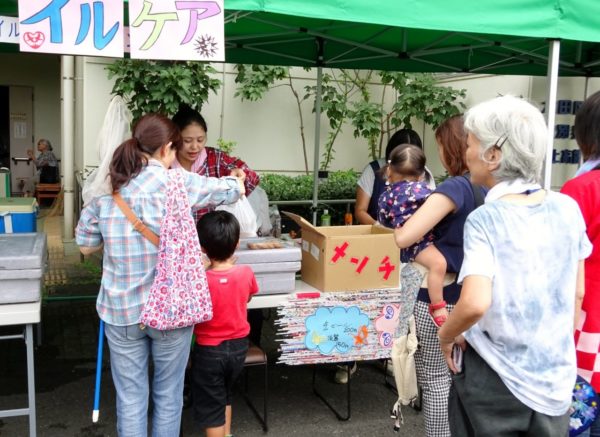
column 437, row 320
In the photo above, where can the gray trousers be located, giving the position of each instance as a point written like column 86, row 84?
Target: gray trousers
column 481, row 405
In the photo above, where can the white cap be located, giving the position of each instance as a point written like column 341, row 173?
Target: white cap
column 325, row 211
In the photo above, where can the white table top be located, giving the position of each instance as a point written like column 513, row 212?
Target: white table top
column 275, row 300
column 20, row 313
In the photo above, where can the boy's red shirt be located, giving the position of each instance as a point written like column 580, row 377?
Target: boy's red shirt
column 230, row 291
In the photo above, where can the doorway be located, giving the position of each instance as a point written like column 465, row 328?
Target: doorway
column 16, row 127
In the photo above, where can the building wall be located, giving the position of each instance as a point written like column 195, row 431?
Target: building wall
column 267, row 131
column 42, row 73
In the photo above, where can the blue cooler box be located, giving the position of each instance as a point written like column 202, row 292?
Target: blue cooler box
column 18, row 214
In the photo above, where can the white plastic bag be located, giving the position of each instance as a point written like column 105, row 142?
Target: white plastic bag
column 243, row 212
column 260, row 204
column 116, row 128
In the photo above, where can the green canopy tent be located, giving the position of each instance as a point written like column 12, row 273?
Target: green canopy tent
column 529, row 37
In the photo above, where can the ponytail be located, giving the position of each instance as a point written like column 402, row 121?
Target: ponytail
column 127, row 162
column 150, row 133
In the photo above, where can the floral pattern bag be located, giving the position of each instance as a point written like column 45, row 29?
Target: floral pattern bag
column 179, row 295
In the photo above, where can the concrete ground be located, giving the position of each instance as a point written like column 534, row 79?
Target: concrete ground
column 65, row 374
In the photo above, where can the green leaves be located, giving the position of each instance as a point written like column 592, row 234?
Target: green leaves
column 419, row 97
column 162, row 86
column 254, row 80
column 339, row 185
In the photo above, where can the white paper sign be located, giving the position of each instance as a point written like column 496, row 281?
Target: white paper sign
column 77, row 27
column 185, row 30
column 9, row 30
column 20, row 130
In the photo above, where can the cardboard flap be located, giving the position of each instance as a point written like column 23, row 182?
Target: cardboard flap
column 302, row 222
column 378, row 229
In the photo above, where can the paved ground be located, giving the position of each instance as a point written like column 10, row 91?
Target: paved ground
column 65, row 364
column 65, row 372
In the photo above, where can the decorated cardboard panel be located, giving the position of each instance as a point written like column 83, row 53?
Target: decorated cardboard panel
column 340, row 327
column 348, row 258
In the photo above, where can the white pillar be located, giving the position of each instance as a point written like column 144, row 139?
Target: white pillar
column 68, row 133
column 553, row 58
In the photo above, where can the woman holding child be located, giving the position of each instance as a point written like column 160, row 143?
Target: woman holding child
column 138, row 172
column 444, row 212
column 522, row 284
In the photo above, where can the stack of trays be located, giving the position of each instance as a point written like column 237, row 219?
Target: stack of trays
column 275, row 269
column 22, row 263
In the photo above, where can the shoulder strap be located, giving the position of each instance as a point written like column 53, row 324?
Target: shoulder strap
column 138, row 225
column 477, row 195
column 375, row 165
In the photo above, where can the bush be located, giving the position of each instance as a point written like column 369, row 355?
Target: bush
column 339, row 185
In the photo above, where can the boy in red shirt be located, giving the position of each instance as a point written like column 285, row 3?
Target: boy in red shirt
column 221, row 343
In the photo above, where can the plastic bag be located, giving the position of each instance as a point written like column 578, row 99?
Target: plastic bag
column 243, row 212
column 260, row 204
column 116, row 128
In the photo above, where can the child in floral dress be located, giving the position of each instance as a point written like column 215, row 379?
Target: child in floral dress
column 406, row 192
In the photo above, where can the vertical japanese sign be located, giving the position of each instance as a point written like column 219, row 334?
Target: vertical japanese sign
column 77, row 27
column 177, row 30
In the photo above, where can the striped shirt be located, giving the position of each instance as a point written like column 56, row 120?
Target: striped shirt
column 129, row 260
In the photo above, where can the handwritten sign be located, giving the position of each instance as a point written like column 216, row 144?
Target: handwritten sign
column 346, row 326
column 177, row 30
column 336, row 329
column 78, row 27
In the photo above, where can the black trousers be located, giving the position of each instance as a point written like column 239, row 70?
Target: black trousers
column 480, row 405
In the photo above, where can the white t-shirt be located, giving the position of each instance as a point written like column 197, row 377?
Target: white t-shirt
column 531, row 254
column 367, row 178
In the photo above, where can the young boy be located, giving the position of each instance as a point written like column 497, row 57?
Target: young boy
column 221, row 343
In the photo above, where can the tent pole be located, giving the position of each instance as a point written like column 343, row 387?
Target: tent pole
column 553, row 58
column 315, row 200
column 68, row 116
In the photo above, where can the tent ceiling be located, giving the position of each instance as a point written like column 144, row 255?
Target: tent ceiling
column 285, row 40
column 452, row 36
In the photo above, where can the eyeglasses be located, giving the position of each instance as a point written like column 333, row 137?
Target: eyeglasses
column 500, row 141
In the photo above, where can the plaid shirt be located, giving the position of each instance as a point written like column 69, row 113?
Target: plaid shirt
column 129, row 260
column 218, row 164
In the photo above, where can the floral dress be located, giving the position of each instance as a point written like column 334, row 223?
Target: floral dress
column 397, row 204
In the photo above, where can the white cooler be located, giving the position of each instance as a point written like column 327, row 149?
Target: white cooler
column 275, row 269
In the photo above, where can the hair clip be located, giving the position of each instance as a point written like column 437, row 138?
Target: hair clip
column 500, row 141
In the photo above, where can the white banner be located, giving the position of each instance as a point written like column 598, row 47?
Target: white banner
column 76, row 27
column 9, row 30
column 177, row 30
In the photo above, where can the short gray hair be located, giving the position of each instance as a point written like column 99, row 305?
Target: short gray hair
column 524, row 130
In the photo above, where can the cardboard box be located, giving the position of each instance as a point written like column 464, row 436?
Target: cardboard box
column 348, row 258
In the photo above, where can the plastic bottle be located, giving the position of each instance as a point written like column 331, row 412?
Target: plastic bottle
column 325, row 218
column 276, row 223
column 348, row 218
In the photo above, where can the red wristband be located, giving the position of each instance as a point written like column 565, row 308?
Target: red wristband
column 437, row 306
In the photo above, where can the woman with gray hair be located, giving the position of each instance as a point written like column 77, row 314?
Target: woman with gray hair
column 46, row 163
column 522, row 285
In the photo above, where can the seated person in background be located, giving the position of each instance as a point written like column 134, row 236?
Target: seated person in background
column 46, row 163
column 222, row 342
column 404, row 194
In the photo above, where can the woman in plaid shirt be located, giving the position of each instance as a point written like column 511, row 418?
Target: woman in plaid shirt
column 138, row 171
column 194, row 156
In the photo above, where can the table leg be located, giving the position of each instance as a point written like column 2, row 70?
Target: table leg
column 326, row 402
column 30, row 379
